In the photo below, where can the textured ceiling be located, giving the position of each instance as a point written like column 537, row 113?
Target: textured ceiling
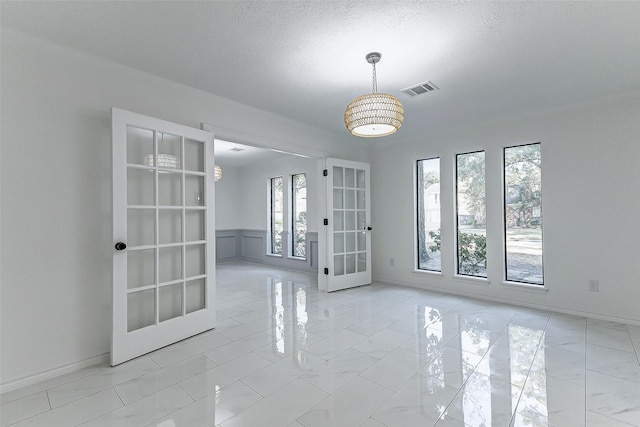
column 305, row 59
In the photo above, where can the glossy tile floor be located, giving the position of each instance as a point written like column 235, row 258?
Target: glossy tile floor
column 286, row 355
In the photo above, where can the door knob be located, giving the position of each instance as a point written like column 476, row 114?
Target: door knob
column 369, row 228
column 120, row 246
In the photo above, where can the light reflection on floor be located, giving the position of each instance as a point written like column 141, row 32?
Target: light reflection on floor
column 284, row 354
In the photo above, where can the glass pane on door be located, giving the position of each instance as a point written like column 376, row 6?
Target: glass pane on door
column 362, row 220
column 170, row 264
column 338, row 265
column 141, row 309
column 170, row 305
column 193, row 155
column 141, row 227
column 169, row 149
column 338, row 197
column 169, row 188
column 362, row 261
column 139, row 145
column 360, row 199
column 350, row 264
column 350, row 242
column 349, row 221
column 349, row 178
column 360, row 178
column 140, row 187
column 195, row 295
column 195, row 257
column 194, row 225
column 362, row 242
column 338, row 221
column 338, row 243
column 194, row 190
column 141, row 268
column 338, row 177
column 170, row 225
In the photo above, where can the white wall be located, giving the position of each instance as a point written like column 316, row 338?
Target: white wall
column 56, row 190
column 255, row 183
column 591, row 203
column 228, row 198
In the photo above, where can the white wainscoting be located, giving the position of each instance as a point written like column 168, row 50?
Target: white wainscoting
column 251, row 245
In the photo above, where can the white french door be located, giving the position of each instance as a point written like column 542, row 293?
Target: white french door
column 349, row 224
column 163, row 234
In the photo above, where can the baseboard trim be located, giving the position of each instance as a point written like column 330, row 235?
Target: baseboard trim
column 52, row 373
column 555, row 309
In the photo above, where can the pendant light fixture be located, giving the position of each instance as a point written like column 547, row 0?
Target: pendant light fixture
column 374, row 114
column 164, row 161
column 168, row 161
column 217, row 173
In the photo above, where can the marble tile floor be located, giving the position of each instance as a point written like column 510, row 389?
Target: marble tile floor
column 284, row 354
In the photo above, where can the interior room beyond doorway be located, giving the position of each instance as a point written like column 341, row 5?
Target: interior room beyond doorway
column 257, row 223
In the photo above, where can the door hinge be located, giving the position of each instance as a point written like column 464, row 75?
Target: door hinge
column 325, row 173
column 326, row 271
column 326, row 221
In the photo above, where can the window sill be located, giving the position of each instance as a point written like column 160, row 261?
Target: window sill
column 436, row 274
column 472, row 279
column 274, row 255
column 297, row 258
column 539, row 289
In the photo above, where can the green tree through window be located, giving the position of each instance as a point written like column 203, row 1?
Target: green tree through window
column 523, row 213
column 299, row 215
column 471, row 214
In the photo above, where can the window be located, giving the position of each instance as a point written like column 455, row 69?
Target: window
column 299, row 215
column 523, row 214
column 471, row 215
column 277, row 215
column 428, row 201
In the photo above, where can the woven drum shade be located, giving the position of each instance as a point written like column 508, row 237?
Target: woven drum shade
column 217, row 173
column 374, row 115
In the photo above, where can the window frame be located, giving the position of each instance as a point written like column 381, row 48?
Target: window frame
column 418, row 185
column 272, row 220
column 458, row 273
column 505, row 270
column 294, row 213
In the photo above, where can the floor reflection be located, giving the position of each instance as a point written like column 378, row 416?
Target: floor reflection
column 285, row 354
column 288, row 313
column 478, row 366
column 489, row 359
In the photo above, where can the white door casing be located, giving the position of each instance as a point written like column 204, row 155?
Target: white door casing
column 163, row 234
column 348, row 229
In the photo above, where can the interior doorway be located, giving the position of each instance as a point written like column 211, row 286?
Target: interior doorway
column 268, row 206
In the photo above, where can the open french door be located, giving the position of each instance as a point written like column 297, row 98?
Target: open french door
column 163, row 234
column 348, row 224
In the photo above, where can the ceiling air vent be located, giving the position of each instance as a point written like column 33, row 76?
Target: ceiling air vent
column 420, row 89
